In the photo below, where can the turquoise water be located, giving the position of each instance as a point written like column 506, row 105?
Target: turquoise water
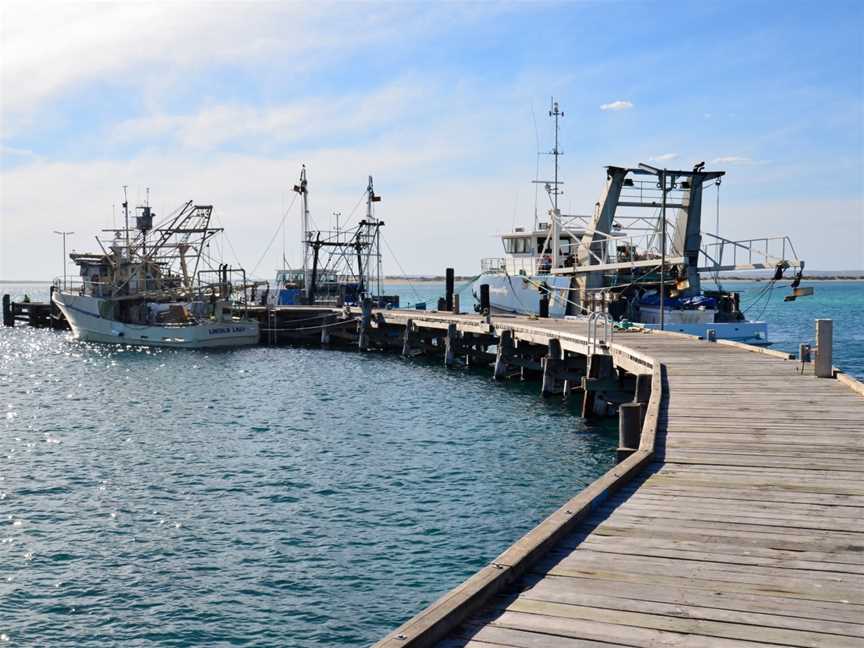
column 266, row 496
column 278, row 496
column 791, row 323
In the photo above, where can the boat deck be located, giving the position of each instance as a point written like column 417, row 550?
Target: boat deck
column 745, row 526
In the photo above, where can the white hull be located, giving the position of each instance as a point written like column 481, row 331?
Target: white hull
column 82, row 313
column 519, row 294
column 748, row 332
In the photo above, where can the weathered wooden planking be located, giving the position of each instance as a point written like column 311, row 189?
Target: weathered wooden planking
column 749, row 534
column 561, row 590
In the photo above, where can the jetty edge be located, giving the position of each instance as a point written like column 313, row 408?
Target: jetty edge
column 737, row 519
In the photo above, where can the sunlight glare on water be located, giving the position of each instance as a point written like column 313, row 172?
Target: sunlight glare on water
column 275, row 496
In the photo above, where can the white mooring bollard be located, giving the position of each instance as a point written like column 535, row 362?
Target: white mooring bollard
column 824, row 340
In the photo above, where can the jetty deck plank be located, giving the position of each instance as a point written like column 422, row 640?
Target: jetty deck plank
column 747, row 528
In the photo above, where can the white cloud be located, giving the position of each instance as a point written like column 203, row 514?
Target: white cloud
column 48, row 49
column 617, row 105
column 742, row 160
column 217, row 124
column 9, row 151
column 249, row 194
column 663, row 158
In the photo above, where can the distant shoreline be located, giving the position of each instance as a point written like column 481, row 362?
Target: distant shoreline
column 399, row 281
column 402, row 281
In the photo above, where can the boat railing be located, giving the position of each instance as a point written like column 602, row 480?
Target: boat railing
column 720, row 254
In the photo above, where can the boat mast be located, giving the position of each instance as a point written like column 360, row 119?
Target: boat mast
column 304, row 238
column 556, row 214
column 375, row 244
column 126, row 215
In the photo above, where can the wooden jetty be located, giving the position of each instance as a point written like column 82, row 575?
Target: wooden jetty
column 35, row 314
column 735, row 515
column 738, row 520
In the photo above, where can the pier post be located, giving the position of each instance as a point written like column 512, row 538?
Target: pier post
column 450, row 280
column 365, row 320
column 456, row 304
column 600, row 370
column 484, row 298
column 824, row 343
column 451, row 343
column 325, row 333
column 407, row 338
column 552, row 383
column 544, row 305
column 629, row 429
column 8, row 317
column 505, row 351
column 642, row 392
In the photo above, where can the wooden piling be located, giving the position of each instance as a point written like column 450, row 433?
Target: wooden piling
column 365, row 321
column 552, row 383
column 449, row 286
column 484, row 298
column 451, row 344
column 505, row 352
column 824, row 341
column 544, row 305
column 629, row 429
column 325, row 334
column 408, row 339
column 600, row 375
column 456, row 303
column 642, row 393
column 8, row 317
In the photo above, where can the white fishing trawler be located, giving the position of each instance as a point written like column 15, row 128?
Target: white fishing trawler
column 630, row 260
column 157, row 286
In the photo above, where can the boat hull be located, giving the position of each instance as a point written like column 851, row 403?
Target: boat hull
column 521, row 295
column 82, row 313
column 755, row 333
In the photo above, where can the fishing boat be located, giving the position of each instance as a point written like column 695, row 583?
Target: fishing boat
column 158, row 286
column 338, row 266
column 637, row 258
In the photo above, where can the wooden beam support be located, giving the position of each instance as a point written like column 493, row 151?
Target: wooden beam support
column 504, row 355
column 601, row 372
column 553, row 385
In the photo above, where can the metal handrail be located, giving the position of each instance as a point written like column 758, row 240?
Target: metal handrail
column 608, row 330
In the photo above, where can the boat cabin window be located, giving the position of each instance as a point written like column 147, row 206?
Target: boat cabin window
column 289, row 276
column 518, row 245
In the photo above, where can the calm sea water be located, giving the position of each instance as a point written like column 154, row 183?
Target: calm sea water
column 278, row 496
column 266, row 496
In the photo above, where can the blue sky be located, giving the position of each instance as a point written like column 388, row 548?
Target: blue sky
column 222, row 102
